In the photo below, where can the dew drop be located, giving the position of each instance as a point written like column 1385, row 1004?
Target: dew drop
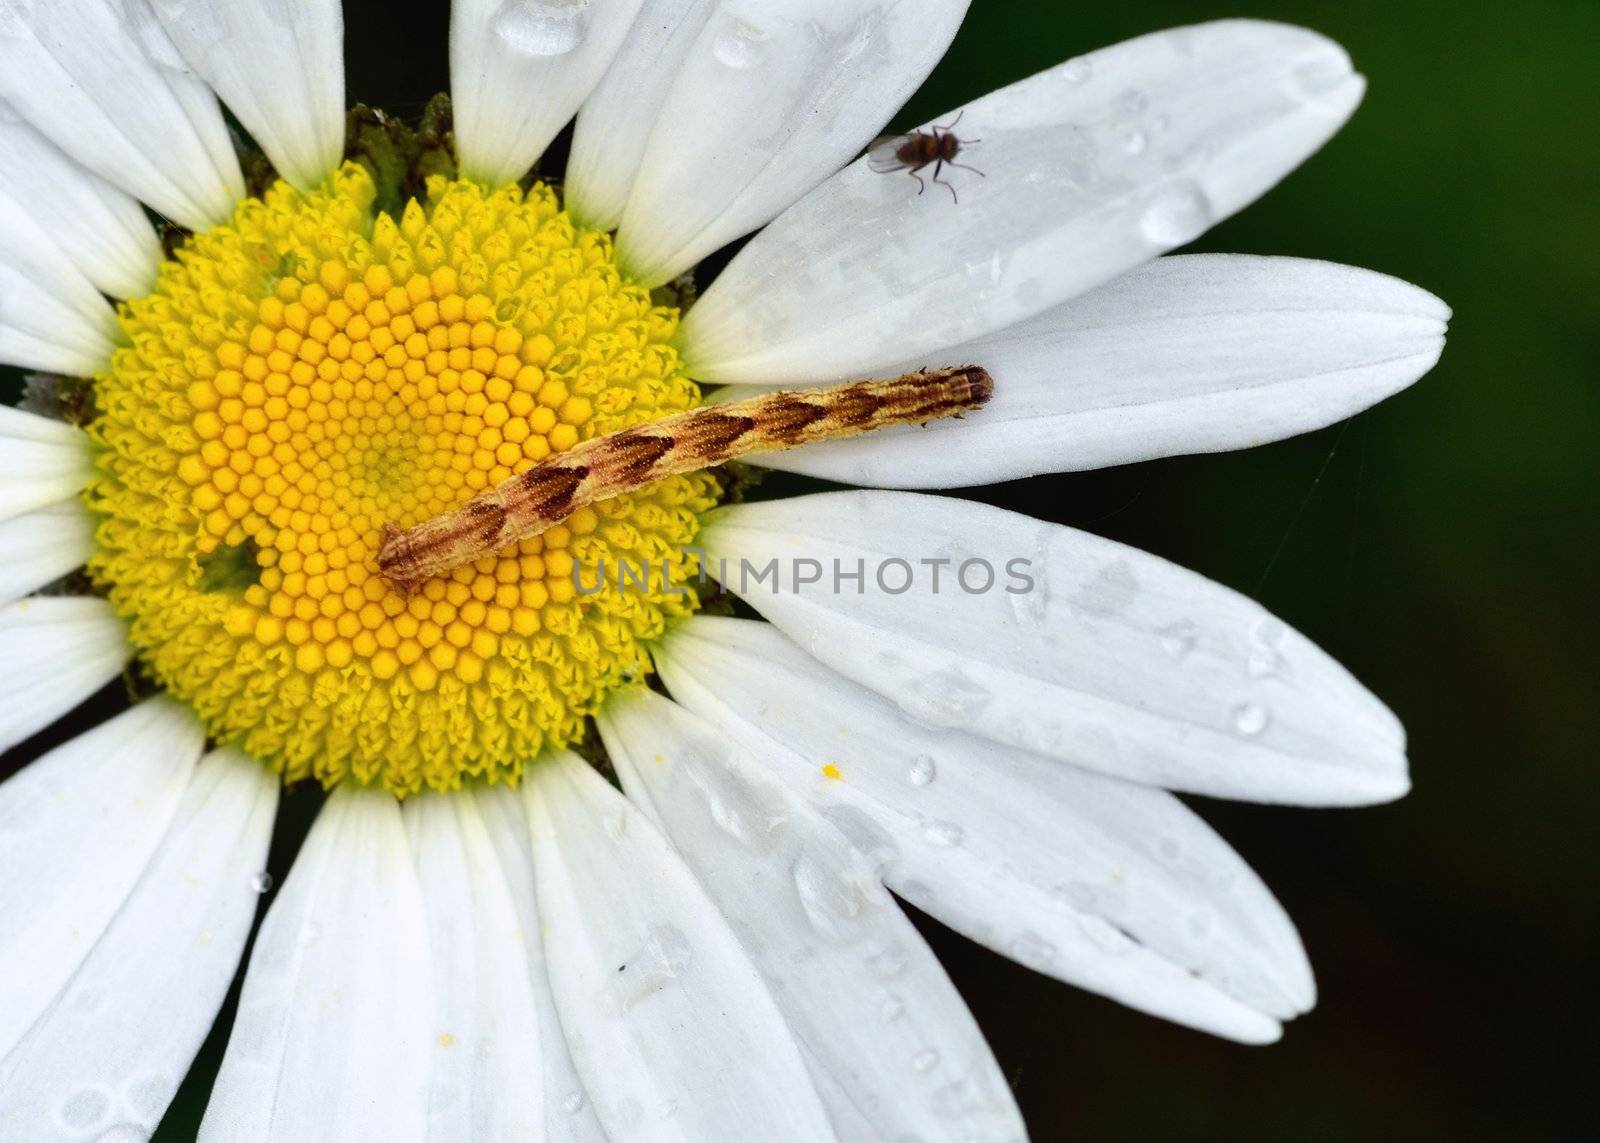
column 148, row 1096
column 741, row 45
column 865, row 836
column 1178, row 639
column 123, row 1133
column 1179, row 213
column 945, row 835
column 888, row 962
column 573, row 1103
column 831, row 902
column 542, row 27
column 1077, row 71
column 891, row 1009
column 1033, row 951
column 945, row 698
column 1250, row 719
column 925, row 1061
column 616, row 825
column 663, row 959
column 1264, row 659
column 261, row 882
column 1135, row 142
column 922, row 771
column 84, row 1108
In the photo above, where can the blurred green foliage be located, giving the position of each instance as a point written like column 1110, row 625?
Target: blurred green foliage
column 1441, row 545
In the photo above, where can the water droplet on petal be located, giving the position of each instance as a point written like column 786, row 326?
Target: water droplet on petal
column 888, row 962
column 892, row 1009
column 1264, row 658
column 84, row 1108
column 1135, row 142
column 922, row 771
column 663, row 959
column 542, row 27
column 945, row 698
column 1179, row 213
column 832, row 901
column 741, row 46
column 1077, row 71
column 865, row 836
column 1250, row 719
column 148, row 1096
column 925, row 1060
column 261, row 882
column 946, row 835
column 573, row 1103
column 1179, row 638
column 1034, row 951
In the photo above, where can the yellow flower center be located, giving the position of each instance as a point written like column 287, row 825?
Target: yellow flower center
column 316, row 370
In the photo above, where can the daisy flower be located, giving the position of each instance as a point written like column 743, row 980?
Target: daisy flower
column 483, row 938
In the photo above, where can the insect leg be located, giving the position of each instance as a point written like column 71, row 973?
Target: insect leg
column 921, row 186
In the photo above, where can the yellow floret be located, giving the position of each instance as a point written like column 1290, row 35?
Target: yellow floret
column 312, row 372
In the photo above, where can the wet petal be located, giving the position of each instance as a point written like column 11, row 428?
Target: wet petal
column 773, row 97
column 1185, row 355
column 1088, row 170
column 279, row 66
column 1097, row 882
column 1063, row 644
column 333, row 1037
column 101, row 80
column 519, row 69
column 110, row 1053
column 891, row 1042
column 669, row 1023
column 77, row 829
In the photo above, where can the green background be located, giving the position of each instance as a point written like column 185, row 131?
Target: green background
column 1440, row 545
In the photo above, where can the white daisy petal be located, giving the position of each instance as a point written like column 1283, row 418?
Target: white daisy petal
column 109, row 1055
column 279, row 66
column 334, row 1039
column 79, row 827
column 41, row 461
column 1068, row 645
column 569, row 1113
column 1095, row 881
column 519, row 69
column 615, row 121
column 485, row 1042
column 55, row 652
column 51, row 316
column 42, row 546
column 670, row 1025
column 101, row 229
column 1186, row 355
column 892, row 1043
column 775, row 96
column 102, row 81
column 1090, row 169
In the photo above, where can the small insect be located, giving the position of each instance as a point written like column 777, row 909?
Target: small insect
column 607, row 466
column 938, row 147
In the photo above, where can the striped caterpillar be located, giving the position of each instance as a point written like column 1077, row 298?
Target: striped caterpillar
column 607, row 466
